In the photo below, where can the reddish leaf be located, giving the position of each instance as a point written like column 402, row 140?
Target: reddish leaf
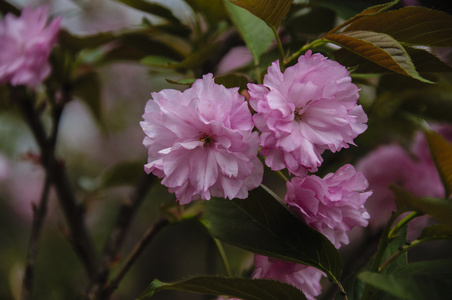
column 271, row 11
column 441, row 151
column 411, row 25
column 379, row 48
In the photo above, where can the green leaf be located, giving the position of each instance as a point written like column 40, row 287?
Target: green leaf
column 379, row 48
column 411, row 25
column 194, row 60
column 185, row 81
column 135, row 46
column 355, row 288
column 151, row 8
column 439, row 209
column 242, row 288
column 123, row 173
column 262, row 225
column 232, row 80
column 212, row 10
column 270, row 11
column 415, row 281
column 441, row 151
column 256, row 34
column 87, row 88
column 437, row 231
column 424, row 61
column 76, row 43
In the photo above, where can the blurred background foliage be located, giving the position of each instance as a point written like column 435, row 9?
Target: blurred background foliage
column 111, row 56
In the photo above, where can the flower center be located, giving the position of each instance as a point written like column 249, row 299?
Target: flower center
column 206, row 139
column 299, row 112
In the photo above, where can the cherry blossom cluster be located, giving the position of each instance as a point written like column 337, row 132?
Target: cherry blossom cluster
column 204, row 142
column 26, row 44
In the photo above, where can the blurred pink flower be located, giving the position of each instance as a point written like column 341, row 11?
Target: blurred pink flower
column 26, row 43
column 332, row 205
column 411, row 169
column 201, row 143
column 237, row 57
column 305, row 278
column 309, row 108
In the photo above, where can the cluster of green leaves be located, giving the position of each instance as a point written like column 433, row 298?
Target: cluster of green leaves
column 379, row 40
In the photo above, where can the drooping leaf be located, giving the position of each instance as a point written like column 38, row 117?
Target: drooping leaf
column 124, row 173
column 262, row 225
column 415, row 281
column 411, row 25
column 232, row 80
column 424, row 61
column 151, row 8
column 87, row 88
column 194, row 60
column 256, row 34
column 242, row 288
column 439, row 209
column 212, row 10
column 270, row 11
column 136, row 46
column 76, row 43
column 441, row 151
column 379, row 48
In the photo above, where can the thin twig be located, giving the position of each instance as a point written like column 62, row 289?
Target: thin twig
column 39, row 213
column 57, row 175
column 116, row 237
column 137, row 250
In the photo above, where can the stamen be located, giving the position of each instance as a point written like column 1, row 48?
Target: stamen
column 206, row 139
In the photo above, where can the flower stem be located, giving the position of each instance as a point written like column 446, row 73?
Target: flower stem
column 223, row 256
column 342, row 291
column 393, row 232
column 280, row 174
column 280, row 48
column 384, row 242
column 305, row 48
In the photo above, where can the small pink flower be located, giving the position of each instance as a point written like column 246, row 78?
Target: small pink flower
column 332, row 205
column 309, row 108
column 305, row 278
column 26, row 43
column 201, row 143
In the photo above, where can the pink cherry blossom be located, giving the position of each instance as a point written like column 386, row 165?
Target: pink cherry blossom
column 305, row 278
column 309, row 108
column 201, row 143
column 333, row 205
column 26, row 43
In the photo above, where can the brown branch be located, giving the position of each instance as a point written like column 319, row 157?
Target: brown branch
column 39, row 213
column 116, row 237
column 137, row 250
column 57, row 175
